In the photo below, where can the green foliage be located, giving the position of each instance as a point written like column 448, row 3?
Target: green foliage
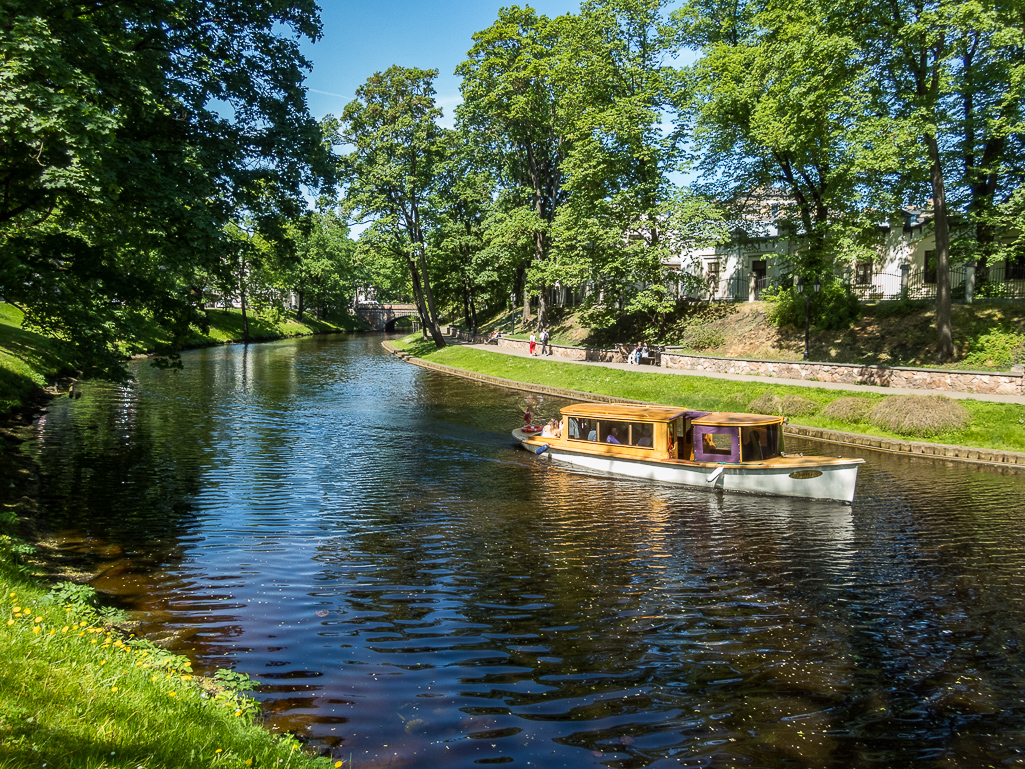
column 73, row 594
column 833, row 308
column 131, row 134
column 999, row 348
column 391, row 170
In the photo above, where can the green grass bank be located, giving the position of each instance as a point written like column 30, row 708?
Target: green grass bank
column 989, row 425
column 77, row 693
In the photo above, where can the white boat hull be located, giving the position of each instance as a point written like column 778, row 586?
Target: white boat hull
column 832, row 481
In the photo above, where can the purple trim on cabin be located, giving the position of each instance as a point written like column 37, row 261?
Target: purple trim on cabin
column 696, row 414
column 700, row 431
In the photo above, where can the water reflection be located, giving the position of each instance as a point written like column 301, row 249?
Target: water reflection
column 360, row 536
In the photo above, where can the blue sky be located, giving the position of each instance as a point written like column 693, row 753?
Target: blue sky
column 362, row 37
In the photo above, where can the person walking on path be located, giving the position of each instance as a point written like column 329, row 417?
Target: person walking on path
column 545, row 350
column 533, row 342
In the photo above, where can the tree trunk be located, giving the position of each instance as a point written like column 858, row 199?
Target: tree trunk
column 944, row 326
column 242, row 301
column 435, row 329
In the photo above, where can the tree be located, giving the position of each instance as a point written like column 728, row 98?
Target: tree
column 784, row 112
column 130, row 135
column 511, row 107
column 390, row 172
column 945, row 72
column 626, row 138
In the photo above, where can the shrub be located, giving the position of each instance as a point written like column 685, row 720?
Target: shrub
column 848, row 409
column 996, row 349
column 919, row 415
column 834, row 308
column 788, row 405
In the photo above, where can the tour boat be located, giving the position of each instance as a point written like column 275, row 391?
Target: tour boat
column 722, row 450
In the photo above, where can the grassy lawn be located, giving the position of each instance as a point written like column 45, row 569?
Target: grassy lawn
column 28, row 362
column 74, row 692
column 992, row 425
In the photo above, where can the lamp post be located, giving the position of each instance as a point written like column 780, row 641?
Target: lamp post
column 512, row 312
column 807, row 317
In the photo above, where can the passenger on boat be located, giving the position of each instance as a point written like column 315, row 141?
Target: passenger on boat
column 645, row 439
column 553, row 429
column 613, row 435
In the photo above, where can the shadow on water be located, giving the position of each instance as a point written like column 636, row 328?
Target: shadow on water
column 362, row 537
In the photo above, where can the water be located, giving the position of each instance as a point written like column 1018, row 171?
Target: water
column 362, row 538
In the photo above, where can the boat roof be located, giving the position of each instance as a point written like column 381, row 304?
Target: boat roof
column 626, row 412
column 730, row 419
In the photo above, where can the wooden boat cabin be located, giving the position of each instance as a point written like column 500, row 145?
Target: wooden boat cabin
column 661, row 433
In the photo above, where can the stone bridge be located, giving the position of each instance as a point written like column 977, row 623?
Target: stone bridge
column 382, row 317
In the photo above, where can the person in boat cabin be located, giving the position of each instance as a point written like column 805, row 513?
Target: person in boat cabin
column 645, row 439
column 613, row 435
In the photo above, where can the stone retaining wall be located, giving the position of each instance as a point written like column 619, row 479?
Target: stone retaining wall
column 847, row 373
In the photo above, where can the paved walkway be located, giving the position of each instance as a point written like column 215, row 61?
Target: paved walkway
column 1016, row 399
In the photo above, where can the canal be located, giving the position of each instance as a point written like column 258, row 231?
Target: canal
column 361, row 537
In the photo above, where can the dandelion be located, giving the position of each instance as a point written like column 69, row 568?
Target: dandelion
column 35, row 629
column 38, row 620
column 249, row 762
column 217, row 751
column 10, row 622
column 13, row 595
column 65, row 629
column 113, row 688
column 337, row 764
column 172, row 694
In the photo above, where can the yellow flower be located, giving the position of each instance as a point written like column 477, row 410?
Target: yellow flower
column 337, row 764
column 172, row 694
column 249, row 762
column 186, row 678
column 38, row 620
column 35, row 630
column 113, row 688
column 10, row 622
column 13, row 594
column 64, row 629
column 218, row 750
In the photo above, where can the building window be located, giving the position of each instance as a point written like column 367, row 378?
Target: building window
column 929, row 273
column 712, row 276
column 863, row 273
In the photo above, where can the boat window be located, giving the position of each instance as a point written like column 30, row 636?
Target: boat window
column 758, row 443
column 582, row 429
column 716, row 444
column 613, row 432
column 641, row 435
